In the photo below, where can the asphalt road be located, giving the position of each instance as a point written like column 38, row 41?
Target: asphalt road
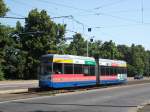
column 117, row 99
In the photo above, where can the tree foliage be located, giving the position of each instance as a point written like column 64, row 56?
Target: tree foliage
column 78, row 45
column 46, row 35
column 3, row 8
column 110, row 51
column 5, row 43
column 22, row 46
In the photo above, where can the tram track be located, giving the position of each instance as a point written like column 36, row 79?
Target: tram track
column 73, row 89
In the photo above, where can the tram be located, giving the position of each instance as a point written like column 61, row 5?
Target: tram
column 60, row 71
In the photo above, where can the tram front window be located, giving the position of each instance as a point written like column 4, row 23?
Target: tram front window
column 46, row 69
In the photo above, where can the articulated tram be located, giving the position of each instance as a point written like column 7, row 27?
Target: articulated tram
column 59, row 71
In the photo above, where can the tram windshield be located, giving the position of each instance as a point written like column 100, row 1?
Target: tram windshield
column 46, row 69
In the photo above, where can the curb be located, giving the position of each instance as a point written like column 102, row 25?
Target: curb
column 13, row 91
column 142, row 105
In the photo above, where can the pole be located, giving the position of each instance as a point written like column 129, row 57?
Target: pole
column 87, row 48
column 97, row 70
column 148, row 71
column 142, row 10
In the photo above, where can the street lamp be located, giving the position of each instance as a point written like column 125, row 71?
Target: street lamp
column 87, row 44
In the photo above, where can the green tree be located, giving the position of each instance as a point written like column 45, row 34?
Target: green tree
column 125, row 52
column 1, row 73
column 3, row 8
column 148, row 66
column 95, row 48
column 46, row 35
column 3, row 39
column 5, row 42
column 77, row 46
column 138, row 53
column 146, row 59
column 110, row 51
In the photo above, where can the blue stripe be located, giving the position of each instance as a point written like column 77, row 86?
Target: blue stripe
column 73, row 84
column 50, row 84
column 45, row 83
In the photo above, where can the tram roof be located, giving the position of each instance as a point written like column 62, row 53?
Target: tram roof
column 84, row 60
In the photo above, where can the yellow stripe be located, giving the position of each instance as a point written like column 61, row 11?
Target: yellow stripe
column 59, row 60
column 123, row 65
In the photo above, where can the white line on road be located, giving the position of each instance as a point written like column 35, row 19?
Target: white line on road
column 40, row 97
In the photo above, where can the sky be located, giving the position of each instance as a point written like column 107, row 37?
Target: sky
column 123, row 21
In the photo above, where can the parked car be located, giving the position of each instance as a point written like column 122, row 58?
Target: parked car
column 138, row 77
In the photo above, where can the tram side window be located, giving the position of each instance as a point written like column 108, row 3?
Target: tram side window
column 111, row 71
column 122, row 70
column 119, row 70
column 115, row 70
column 125, row 70
column 92, row 70
column 89, row 70
column 107, row 70
column 86, row 70
column 103, row 70
column 68, row 68
column 78, row 69
column 57, row 68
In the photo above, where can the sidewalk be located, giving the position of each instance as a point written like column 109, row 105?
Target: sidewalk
column 146, row 108
column 15, row 86
column 18, row 81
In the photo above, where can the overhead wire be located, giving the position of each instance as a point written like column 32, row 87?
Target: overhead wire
column 118, row 26
column 142, row 9
column 22, row 3
column 121, row 18
column 67, row 6
column 64, row 5
column 116, row 17
column 109, row 4
column 9, row 17
column 124, row 11
column 95, row 13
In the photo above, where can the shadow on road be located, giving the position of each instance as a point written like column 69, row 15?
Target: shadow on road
column 52, row 104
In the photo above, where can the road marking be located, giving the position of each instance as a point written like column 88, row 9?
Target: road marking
column 25, row 99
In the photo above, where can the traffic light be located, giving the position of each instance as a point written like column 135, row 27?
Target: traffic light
column 91, row 40
column 89, row 29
